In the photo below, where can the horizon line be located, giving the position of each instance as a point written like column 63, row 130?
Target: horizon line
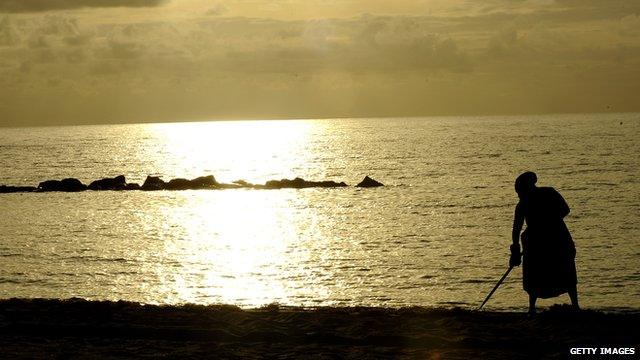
column 250, row 119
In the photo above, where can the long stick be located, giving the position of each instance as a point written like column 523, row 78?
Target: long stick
column 496, row 287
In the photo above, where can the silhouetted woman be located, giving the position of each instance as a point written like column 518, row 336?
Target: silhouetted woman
column 548, row 268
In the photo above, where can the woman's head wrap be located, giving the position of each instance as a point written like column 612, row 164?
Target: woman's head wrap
column 526, row 180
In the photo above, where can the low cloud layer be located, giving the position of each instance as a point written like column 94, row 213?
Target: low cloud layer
column 34, row 6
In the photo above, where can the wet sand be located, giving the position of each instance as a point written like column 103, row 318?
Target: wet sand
column 79, row 329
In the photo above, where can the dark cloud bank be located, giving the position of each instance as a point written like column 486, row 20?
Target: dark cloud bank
column 30, row 6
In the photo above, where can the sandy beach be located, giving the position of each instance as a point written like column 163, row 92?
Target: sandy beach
column 77, row 329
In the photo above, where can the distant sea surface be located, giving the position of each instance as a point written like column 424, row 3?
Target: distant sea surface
column 436, row 235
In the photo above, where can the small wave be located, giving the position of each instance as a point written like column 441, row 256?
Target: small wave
column 583, row 171
column 438, row 206
column 11, row 255
column 602, row 183
column 67, row 274
column 489, row 206
column 482, row 156
column 477, row 281
column 10, row 281
column 452, row 303
column 98, row 259
column 4, row 280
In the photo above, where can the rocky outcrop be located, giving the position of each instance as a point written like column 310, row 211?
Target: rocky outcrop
column 202, row 182
column 368, row 182
column 66, row 185
column 153, row 183
column 4, row 189
column 300, row 183
column 243, row 183
column 116, row 183
column 178, row 184
column 132, row 186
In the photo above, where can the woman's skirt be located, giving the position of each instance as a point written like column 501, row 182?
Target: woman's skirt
column 548, row 264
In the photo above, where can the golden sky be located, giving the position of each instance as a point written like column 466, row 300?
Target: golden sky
column 102, row 61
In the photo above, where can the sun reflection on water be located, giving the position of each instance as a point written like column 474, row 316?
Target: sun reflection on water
column 265, row 149
column 232, row 247
column 241, row 247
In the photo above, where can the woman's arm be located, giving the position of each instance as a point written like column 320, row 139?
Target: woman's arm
column 518, row 221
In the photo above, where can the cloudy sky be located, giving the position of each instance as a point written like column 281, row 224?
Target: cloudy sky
column 101, row 61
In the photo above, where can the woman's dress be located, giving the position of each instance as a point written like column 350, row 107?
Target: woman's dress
column 548, row 265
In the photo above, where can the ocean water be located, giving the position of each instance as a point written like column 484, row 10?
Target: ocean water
column 436, row 235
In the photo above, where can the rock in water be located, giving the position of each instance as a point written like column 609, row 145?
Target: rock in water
column 178, row 184
column 4, row 189
column 243, row 183
column 369, row 182
column 204, row 182
column 73, row 185
column 49, row 185
column 116, row 183
column 299, row 183
column 153, row 183
column 132, row 186
column 67, row 185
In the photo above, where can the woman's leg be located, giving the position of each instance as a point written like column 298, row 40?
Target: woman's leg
column 573, row 294
column 532, row 303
